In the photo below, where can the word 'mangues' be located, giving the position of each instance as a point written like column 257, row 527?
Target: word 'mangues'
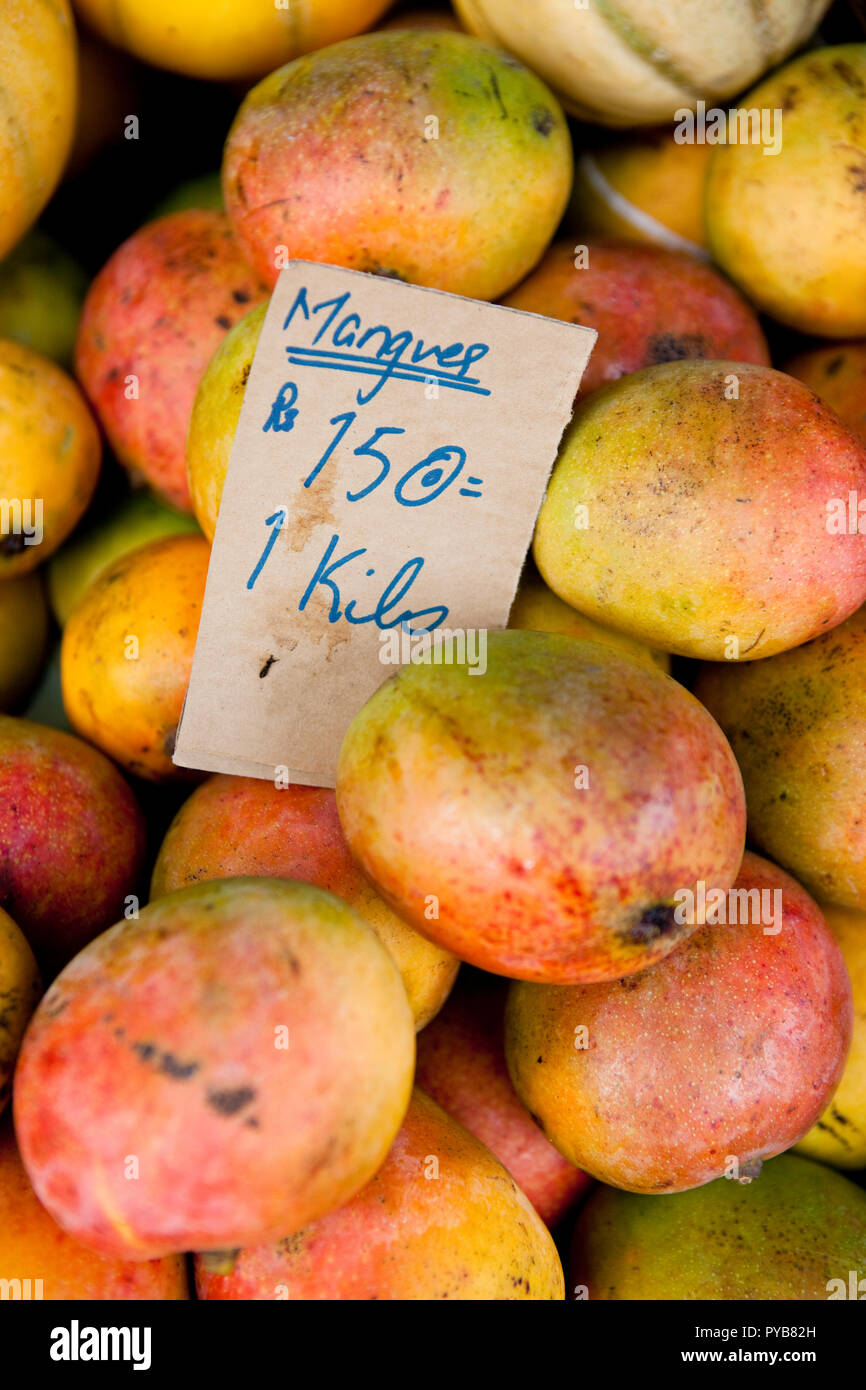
column 739, row 126
column 344, row 338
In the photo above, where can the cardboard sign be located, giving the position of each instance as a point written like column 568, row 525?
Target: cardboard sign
column 391, row 457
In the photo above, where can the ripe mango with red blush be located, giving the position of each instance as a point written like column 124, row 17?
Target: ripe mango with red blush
column 461, row 1064
column 234, row 827
column 152, row 319
column 219, row 1072
column 51, row 1265
column 718, row 1057
column 427, row 156
column 441, row 1219
column 688, row 507
column 648, row 305
column 548, row 809
column 73, row 838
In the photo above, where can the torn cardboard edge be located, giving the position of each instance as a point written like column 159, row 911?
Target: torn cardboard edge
column 524, row 388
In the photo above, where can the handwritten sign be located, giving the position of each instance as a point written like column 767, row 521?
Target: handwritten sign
column 391, row 456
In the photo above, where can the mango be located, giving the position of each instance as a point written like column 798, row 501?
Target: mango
column 648, row 305
column 44, row 1259
column 788, row 228
column 538, row 609
column 644, row 188
column 72, row 836
column 424, row 156
column 50, row 454
column 537, row 821
column 688, row 508
column 839, row 1136
column 440, row 1220
column 23, row 638
column 638, row 62
column 41, row 293
column 136, row 520
column 215, row 414
column 230, row 42
column 38, row 79
column 20, row 988
column 837, row 373
column 233, row 827
column 152, row 319
column 722, row 1055
column 127, row 654
column 461, row 1064
column 243, row 1049
column 796, row 1233
column 797, row 725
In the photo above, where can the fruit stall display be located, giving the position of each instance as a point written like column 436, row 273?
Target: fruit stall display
column 561, row 993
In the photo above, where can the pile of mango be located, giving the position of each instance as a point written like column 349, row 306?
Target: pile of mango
column 562, row 992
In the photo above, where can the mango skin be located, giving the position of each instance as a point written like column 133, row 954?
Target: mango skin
column 161, row 1040
column 73, row 838
column 230, row 42
column 138, row 519
column 839, row 1136
column 707, row 516
column 41, row 293
column 788, row 229
column 23, row 638
column 782, row 1236
column 39, row 81
column 555, row 882
column 20, row 988
column 648, row 305
column 49, row 450
column 797, row 725
column 130, row 707
column 330, row 158
column 234, row 827
column 463, row 1231
column 157, row 311
column 30, row 1240
column 215, row 414
column 461, row 1065
column 731, row 1046
column 645, row 189
column 537, row 609
column 837, row 373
